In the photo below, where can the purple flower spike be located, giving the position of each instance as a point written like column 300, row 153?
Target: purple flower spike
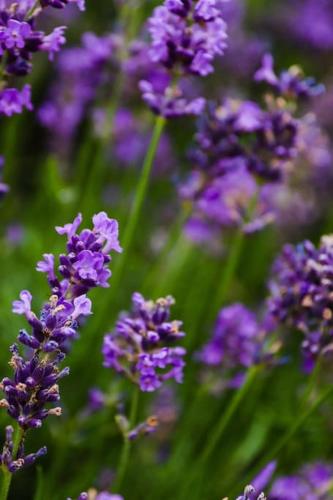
column 19, row 41
column 186, row 38
column 236, row 345
column 88, row 255
column 32, row 392
column 13, row 101
column 20, row 460
column 187, row 34
column 141, row 346
column 301, row 295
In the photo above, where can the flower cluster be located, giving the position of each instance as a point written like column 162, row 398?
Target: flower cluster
column 85, row 265
column 236, row 344
column 15, row 463
column 141, row 347
column 301, row 295
column 19, row 40
column 290, row 84
column 244, row 148
column 35, row 382
column 186, row 37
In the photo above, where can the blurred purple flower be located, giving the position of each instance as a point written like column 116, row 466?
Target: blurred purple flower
column 313, row 482
column 301, row 291
column 13, row 101
column 237, row 344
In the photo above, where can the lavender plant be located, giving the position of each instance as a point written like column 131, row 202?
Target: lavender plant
column 34, row 384
column 136, row 421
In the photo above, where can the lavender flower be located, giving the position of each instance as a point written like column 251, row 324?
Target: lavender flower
column 236, row 345
column 313, row 482
column 145, row 428
column 170, row 102
column 35, row 382
column 96, row 400
column 141, row 347
column 19, row 40
column 13, row 101
column 15, row 463
column 242, row 149
column 290, row 83
column 301, row 290
column 186, row 37
column 227, row 202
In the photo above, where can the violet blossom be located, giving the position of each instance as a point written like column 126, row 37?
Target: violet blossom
column 35, row 383
column 312, row 482
column 301, row 295
column 186, row 38
column 237, row 344
column 243, row 150
column 19, row 40
column 142, row 345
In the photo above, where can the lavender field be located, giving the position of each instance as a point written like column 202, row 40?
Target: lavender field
column 166, row 263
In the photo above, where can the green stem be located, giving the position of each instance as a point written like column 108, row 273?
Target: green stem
column 125, row 452
column 237, row 398
column 172, row 243
column 310, row 386
column 229, row 270
column 7, row 476
column 217, row 432
column 297, row 425
column 140, row 195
